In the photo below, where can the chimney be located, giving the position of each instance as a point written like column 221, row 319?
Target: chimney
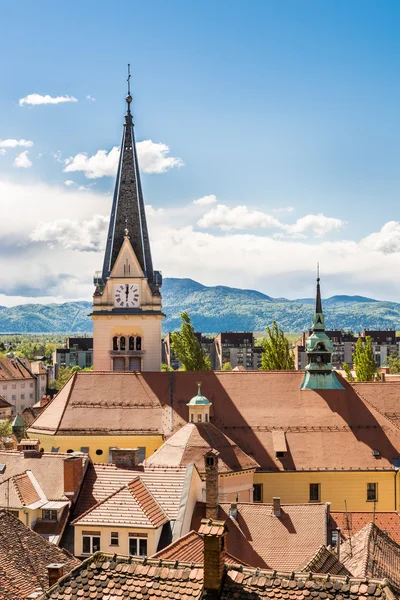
column 276, row 507
column 338, row 542
column 55, row 572
column 73, row 473
column 214, row 534
column 211, row 466
column 383, row 376
column 125, row 457
column 28, row 447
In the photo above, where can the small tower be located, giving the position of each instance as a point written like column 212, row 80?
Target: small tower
column 199, row 408
column 319, row 374
column 18, row 427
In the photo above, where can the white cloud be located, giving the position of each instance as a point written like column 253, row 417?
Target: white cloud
column 206, row 200
column 69, row 182
column 22, row 161
column 36, row 99
column 387, row 240
column 10, row 143
column 284, row 209
column 319, row 225
column 91, row 98
column 72, row 234
column 152, row 158
column 2, row 152
column 238, row 217
column 154, row 212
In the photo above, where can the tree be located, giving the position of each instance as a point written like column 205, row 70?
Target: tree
column 227, row 366
column 363, row 359
column 277, row 355
column 393, row 362
column 64, row 374
column 49, row 349
column 5, row 428
column 165, row 367
column 347, row 370
column 187, row 348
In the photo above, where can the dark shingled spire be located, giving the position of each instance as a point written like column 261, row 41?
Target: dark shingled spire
column 318, row 301
column 128, row 205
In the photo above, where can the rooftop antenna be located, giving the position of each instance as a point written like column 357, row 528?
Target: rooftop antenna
column 129, row 79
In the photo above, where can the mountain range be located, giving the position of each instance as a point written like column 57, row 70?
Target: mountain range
column 214, row 309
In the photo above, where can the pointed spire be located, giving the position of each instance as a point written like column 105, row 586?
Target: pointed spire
column 128, row 204
column 318, row 302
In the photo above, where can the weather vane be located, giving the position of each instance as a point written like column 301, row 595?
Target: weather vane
column 317, row 271
column 129, row 79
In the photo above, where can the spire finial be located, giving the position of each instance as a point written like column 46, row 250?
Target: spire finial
column 317, row 271
column 199, row 388
column 318, row 301
column 129, row 97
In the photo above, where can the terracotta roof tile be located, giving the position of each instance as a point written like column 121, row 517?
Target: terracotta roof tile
column 14, row 368
column 284, row 543
column 132, row 504
column 328, row 429
column 190, row 548
column 325, row 561
column 372, row 553
column 351, row 522
column 193, row 441
column 24, row 556
column 101, row 480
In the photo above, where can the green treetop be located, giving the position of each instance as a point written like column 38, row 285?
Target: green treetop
column 277, row 355
column 187, row 348
column 363, row 358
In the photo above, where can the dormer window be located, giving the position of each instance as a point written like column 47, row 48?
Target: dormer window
column 210, row 461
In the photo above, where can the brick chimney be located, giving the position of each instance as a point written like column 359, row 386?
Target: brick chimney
column 276, row 507
column 73, row 473
column 55, row 572
column 125, row 457
column 214, row 535
column 211, row 467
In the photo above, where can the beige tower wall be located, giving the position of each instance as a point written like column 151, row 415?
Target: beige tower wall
column 106, row 327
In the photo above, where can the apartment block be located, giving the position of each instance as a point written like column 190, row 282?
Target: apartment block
column 22, row 383
column 78, row 352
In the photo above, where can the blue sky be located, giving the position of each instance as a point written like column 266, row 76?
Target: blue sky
column 283, row 114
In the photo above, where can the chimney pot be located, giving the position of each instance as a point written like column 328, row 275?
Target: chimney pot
column 276, row 507
column 55, row 572
column 125, row 457
column 214, row 535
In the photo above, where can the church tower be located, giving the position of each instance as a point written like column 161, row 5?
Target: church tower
column 127, row 311
column 319, row 374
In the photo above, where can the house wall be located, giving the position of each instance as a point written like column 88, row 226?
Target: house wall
column 94, row 443
column 237, row 483
column 19, row 392
column 336, row 488
column 195, row 495
column 153, row 537
column 148, row 326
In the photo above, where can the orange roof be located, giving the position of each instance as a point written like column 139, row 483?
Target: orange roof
column 325, row 561
column 101, row 480
column 372, row 553
column 131, row 505
column 193, row 441
column 14, row 368
column 190, row 549
column 350, row 523
column 283, row 543
column 24, row 556
column 328, row 429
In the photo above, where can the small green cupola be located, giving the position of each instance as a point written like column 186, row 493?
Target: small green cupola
column 319, row 374
column 199, row 407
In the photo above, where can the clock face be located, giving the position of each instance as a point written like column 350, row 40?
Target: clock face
column 126, row 295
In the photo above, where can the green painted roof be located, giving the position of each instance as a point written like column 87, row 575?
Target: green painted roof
column 199, row 400
column 18, row 422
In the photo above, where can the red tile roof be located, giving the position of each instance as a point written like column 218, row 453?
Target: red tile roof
column 101, row 480
column 283, row 543
column 190, row 549
column 131, row 505
column 325, row 561
column 104, row 576
column 327, row 429
column 352, row 522
column 193, row 441
column 4, row 403
column 371, row 553
column 14, row 368
column 24, row 556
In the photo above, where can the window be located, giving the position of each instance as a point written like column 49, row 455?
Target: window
column 14, row 397
column 258, row 492
column 70, row 451
column 137, row 545
column 210, row 461
column 22, row 385
column 114, row 538
column 90, row 543
column 31, row 396
column 54, row 449
column 138, row 343
column 315, row 492
column 31, row 385
column 131, row 343
column 14, row 386
column 22, row 396
column 49, row 515
column 206, row 418
column 334, row 537
column 85, row 449
column 4, row 387
column 99, row 452
column 280, row 454
column 199, row 418
column 14, row 513
column 122, row 343
column 372, row 492
column 141, row 454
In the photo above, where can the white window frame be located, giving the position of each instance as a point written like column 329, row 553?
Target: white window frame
column 138, row 537
column 90, row 536
column 114, row 535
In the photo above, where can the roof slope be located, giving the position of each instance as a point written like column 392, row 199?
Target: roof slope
column 24, row 556
column 104, row 574
column 19, row 491
column 283, row 543
column 193, row 441
column 101, row 480
column 190, row 549
column 371, row 553
column 352, row 522
column 130, row 505
column 325, row 429
column 325, row 561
